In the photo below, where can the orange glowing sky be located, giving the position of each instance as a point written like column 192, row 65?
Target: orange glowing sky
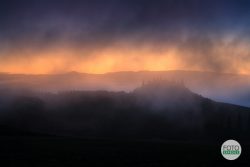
column 124, row 57
column 58, row 60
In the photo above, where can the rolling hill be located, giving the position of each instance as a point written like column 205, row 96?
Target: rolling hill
column 157, row 110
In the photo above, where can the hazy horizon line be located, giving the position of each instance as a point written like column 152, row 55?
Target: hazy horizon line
column 126, row 71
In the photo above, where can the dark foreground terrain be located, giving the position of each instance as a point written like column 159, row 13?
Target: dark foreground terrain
column 74, row 152
column 160, row 123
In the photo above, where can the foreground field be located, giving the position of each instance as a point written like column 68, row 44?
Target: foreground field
column 74, row 152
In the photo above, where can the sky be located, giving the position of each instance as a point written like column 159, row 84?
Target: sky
column 99, row 36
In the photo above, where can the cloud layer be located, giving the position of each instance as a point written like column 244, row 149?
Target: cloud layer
column 97, row 36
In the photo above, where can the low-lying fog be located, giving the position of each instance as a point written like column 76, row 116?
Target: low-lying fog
column 156, row 110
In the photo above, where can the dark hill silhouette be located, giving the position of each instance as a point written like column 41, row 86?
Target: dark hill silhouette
column 157, row 110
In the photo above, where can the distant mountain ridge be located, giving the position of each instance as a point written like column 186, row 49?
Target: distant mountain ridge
column 229, row 88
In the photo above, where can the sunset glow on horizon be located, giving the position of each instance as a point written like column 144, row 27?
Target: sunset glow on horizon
column 122, row 58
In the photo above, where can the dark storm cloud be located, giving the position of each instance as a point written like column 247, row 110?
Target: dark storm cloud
column 93, row 20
